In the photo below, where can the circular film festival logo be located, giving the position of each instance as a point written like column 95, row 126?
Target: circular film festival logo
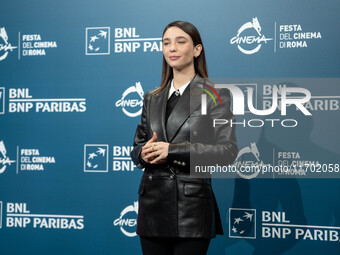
column 4, row 159
column 127, row 220
column 131, row 100
column 249, row 157
column 246, row 41
column 5, row 46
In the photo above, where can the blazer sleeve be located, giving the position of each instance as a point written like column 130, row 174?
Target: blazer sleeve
column 222, row 147
column 141, row 135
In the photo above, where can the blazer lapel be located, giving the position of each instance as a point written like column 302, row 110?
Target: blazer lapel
column 188, row 102
column 157, row 114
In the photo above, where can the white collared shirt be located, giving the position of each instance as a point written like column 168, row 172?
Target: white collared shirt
column 181, row 89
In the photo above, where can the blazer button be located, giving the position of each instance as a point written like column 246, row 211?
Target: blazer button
column 150, row 177
column 183, row 164
column 172, row 176
column 179, row 163
column 175, row 161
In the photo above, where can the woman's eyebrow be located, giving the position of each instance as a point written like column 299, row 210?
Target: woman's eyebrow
column 180, row 37
column 177, row 38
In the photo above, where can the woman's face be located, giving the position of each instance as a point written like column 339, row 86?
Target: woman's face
column 178, row 49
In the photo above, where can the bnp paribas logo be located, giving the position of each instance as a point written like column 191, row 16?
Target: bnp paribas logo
column 96, row 158
column 97, row 41
column 242, row 223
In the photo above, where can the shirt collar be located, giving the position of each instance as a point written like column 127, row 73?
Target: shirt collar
column 181, row 89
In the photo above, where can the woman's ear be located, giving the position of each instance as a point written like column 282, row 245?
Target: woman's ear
column 198, row 50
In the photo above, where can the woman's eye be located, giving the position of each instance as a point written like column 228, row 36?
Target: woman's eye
column 181, row 42
column 165, row 43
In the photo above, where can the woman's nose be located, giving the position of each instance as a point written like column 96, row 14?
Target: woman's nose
column 173, row 48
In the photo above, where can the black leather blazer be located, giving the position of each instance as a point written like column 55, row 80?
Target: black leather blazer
column 171, row 202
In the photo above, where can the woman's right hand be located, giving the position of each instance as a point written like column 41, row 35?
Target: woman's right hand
column 146, row 148
column 155, row 152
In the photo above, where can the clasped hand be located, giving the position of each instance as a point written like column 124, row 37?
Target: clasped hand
column 155, row 152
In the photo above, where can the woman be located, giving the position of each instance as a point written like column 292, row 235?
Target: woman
column 178, row 213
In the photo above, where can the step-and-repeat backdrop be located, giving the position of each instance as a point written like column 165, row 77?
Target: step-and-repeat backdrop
column 72, row 79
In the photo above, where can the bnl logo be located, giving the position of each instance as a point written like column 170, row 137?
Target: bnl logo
column 2, row 100
column 242, row 223
column 96, row 158
column 97, row 41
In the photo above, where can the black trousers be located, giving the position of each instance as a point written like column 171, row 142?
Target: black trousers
column 174, row 246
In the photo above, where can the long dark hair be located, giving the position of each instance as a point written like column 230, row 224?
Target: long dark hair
column 200, row 63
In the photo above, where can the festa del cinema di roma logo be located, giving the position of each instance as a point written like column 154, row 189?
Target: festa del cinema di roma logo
column 252, row 155
column 5, row 46
column 4, row 159
column 28, row 45
column 127, row 220
column 131, row 99
column 245, row 43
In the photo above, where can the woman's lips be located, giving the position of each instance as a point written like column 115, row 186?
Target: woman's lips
column 174, row 57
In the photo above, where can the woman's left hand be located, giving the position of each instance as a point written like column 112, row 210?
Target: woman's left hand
column 156, row 152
